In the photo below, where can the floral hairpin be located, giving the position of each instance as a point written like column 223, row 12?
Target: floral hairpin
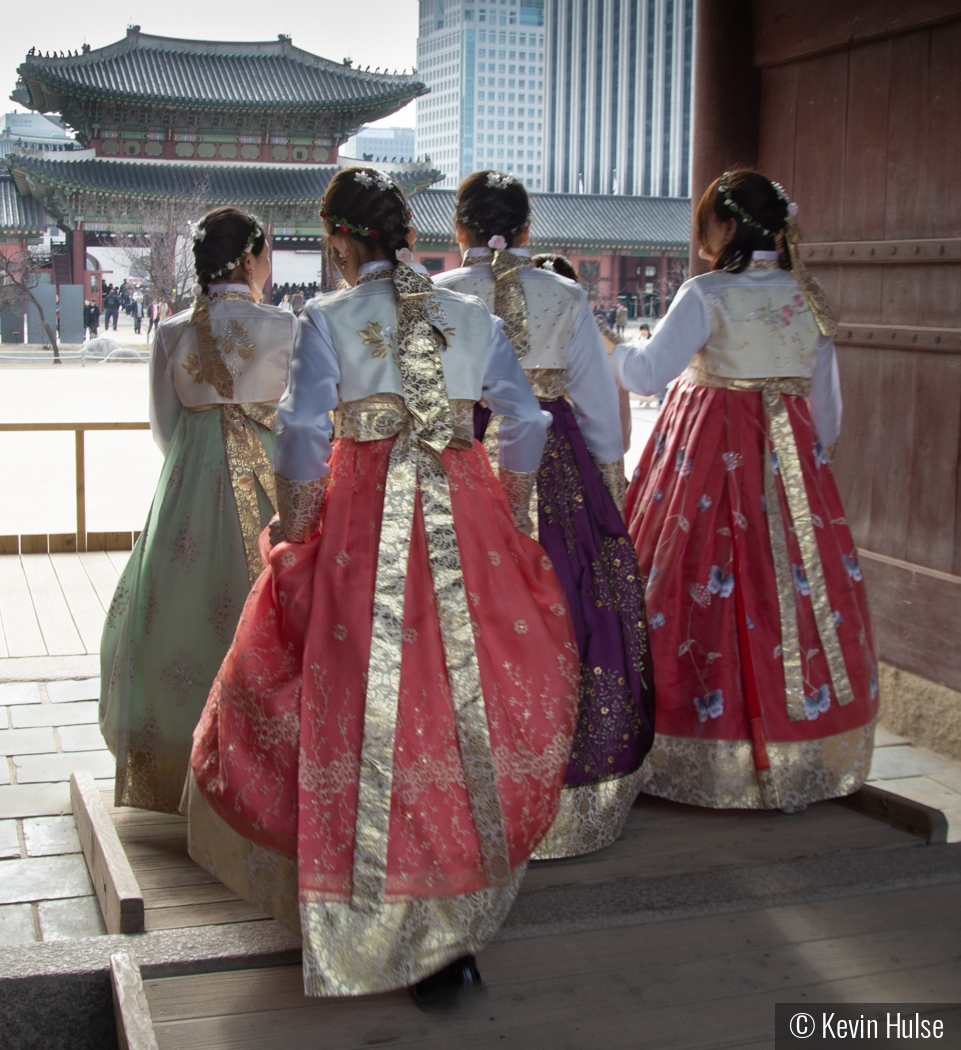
column 497, row 242
column 500, row 179
column 198, row 231
column 369, row 178
column 345, row 226
column 724, row 189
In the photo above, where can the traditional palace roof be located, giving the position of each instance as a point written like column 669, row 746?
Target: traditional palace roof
column 572, row 222
column 105, row 193
column 19, row 216
column 157, row 70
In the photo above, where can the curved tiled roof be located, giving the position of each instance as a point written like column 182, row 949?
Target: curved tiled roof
column 268, row 183
column 19, row 215
column 572, row 221
column 207, row 73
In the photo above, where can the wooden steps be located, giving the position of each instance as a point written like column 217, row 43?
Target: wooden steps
column 668, row 978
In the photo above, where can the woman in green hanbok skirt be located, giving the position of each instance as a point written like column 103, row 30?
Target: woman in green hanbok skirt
column 217, row 372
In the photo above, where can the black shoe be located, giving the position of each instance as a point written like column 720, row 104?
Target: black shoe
column 450, row 987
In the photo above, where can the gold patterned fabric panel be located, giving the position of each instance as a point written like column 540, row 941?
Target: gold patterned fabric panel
column 382, row 416
column 721, row 774
column 794, row 386
column 548, row 384
column 509, row 302
column 591, row 817
column 300, row 505
column 248, row 464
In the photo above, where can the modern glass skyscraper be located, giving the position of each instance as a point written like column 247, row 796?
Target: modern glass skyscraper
column 618, row 98
column 575, row 96
column 484, row 64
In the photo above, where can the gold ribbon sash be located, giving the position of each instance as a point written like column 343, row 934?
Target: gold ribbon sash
column 783, row 450
column 247, row 463
column 424, row 429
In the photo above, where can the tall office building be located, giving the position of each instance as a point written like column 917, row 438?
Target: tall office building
column 484, row 64
column 618, row 99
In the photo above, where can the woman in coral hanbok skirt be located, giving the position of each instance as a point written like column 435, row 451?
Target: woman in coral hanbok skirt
column 764, row 661
column 385, row 744
column 576, row 506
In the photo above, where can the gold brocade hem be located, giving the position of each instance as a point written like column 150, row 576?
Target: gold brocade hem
column 151, row 780
column 591, row 817
column 548, row 384
column 720, row 774
column 380, row 416
column 793, row 386
column 262, row 876
column 349, row 951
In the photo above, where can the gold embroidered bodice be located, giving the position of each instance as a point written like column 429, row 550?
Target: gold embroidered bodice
column 245, row 360
column 761, row 326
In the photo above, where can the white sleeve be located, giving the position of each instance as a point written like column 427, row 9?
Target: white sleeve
column 825, row 399
column 592, row 390
column 678, row 337
column 523, row 431
column 164, row 406
column 304, row 426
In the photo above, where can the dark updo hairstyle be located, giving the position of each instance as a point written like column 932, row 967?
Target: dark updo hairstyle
column 493, row 203
column 220, row 239
column 754, row 196
column 371, row 209
column 559, row 264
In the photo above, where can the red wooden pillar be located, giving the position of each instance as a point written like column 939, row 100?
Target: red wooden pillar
column 727, row 96
column 78, row 257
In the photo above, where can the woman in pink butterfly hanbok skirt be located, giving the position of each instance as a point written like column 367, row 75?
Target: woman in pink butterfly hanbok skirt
column 761, row 637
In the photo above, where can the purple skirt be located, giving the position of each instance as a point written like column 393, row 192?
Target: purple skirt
column 580, row 528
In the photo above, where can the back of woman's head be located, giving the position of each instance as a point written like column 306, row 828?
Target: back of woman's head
column 221, row 240
column 370, row 208
column 493, row 204
column 757, row 205
column 559, row 264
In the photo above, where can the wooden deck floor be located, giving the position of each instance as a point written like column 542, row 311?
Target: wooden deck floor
column 704, row 982
column 54, row 604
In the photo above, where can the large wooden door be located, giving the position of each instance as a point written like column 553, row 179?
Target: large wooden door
column 858, row 114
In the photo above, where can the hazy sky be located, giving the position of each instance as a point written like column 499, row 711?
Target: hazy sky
column 371, row 32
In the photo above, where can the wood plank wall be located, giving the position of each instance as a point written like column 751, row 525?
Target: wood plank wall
column 860, row 118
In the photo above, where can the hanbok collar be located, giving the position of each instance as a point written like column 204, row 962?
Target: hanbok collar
column 765, row 261
column 381, row 270
column 484, row 254
column 231, row 290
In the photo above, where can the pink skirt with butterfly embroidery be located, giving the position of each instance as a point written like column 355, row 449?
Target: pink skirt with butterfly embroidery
column 764, row 663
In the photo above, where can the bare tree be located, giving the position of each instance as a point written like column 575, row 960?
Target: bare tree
column 19, row 275
column 161, row 247
column 678, row 271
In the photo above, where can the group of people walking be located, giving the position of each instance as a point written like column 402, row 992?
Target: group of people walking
column 394, row 629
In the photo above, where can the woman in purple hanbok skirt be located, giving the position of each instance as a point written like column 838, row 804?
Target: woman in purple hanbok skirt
column 576, row 501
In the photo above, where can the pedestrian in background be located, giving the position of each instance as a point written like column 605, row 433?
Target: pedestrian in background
column 91, row 318
column 111, row 308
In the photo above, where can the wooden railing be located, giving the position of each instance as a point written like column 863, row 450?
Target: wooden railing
column 81, row 540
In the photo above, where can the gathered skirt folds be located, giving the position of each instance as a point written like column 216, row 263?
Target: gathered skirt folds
column 173, row 614
column 384, row 747
column 764, row 659
column 582, row 531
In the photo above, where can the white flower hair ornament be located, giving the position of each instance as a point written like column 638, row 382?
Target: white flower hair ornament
column 497, row 242
column 500, row 179
column 404, row 255
column 198, row 231
column 792, row 209
column 256, row 232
